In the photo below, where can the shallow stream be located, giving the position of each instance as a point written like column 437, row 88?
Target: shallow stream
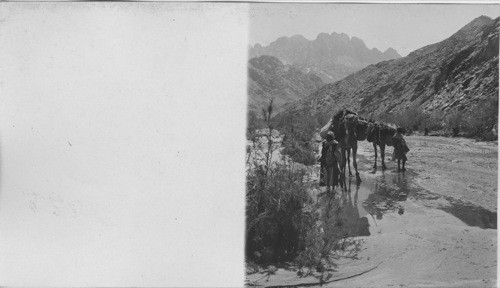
column 380, row 200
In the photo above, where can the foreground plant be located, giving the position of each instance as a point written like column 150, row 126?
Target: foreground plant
column 283, row 222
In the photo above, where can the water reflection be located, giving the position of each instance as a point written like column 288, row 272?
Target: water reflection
column 341, row 215
column 384, row 193
column 388, row 189
column 357, row 225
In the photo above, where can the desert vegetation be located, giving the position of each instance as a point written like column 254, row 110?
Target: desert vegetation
column 478, row 123
column 284, row 223
column 298, row 129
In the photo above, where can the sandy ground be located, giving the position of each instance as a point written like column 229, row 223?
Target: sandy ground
column 456, row 167
column 425, row 247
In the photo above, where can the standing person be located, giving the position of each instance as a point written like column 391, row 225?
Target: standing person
column 400, row 148
column 330, row 159
column 323, row 132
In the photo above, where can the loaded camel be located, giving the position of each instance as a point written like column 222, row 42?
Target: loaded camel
column 380, row 134
column 349, row 128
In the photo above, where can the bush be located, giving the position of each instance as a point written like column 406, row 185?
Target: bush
column 298, row 153
column 414, row 117
column 299, row 129
column 283, row 223
column 329, row 240
column 433, row 122
column 276, row 223
column 410, row 119
column 454, row 123
column 253, row 123
column 482, row 120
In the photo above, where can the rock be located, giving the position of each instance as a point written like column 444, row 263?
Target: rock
column 433, row 77
column 331, row 57
column 270, row 79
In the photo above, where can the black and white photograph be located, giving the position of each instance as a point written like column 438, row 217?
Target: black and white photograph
column 372, row 153
column 249, row 144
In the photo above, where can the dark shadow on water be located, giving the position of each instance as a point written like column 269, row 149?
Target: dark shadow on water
column 470, row 214
column 383, row 189
column 340, row 210
column 398, row 186
column 473, row 215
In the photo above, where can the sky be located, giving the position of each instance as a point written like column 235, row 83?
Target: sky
column 404, row 27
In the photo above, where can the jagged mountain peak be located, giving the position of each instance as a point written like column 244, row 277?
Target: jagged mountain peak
column 481, row 20
column 454, row 75
column 266, row 63
column 340, row 35
column 357, row 41
column 298, row 37
column 473, row 27
column 323, row 36
column 467, row 33
column 256, row 46
column 330, row 56
column 391, row 51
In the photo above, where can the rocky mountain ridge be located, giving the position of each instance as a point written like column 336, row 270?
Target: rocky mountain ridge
column 455, row 74
column 268, row 79
column 330, row 56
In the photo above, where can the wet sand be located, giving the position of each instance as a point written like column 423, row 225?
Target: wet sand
column 431, row 226
column 447, row 236
column 457, row 167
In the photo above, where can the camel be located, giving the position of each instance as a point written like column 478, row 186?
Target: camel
column 349, row 128
column 380, row 134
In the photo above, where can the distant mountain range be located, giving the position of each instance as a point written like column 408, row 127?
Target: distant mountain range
column 330, row 56
column 453, row 75
column 271, row 79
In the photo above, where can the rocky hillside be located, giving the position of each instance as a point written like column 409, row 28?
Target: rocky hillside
column 453, row 75
column 330, row 56
column 271, row 79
